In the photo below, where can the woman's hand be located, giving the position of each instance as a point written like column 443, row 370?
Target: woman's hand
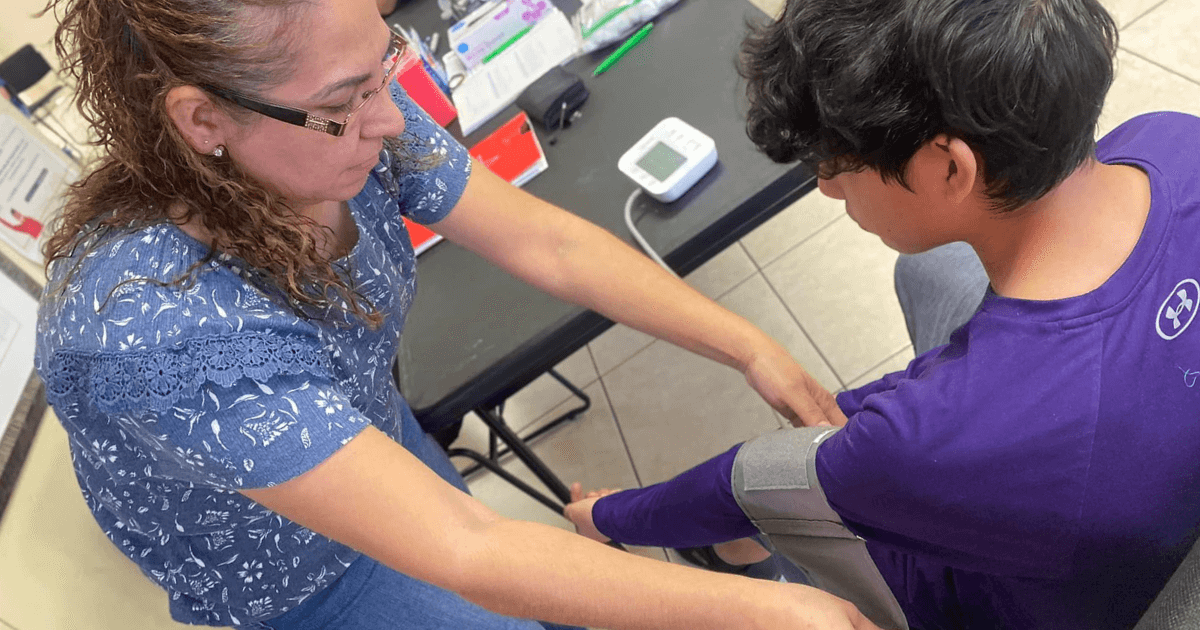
column 579, row 511
column 820, row 610
column 790, row 390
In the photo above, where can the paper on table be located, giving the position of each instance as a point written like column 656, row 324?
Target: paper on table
column 497, row 84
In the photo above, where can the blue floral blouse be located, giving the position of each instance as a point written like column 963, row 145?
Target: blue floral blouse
column 176, row 398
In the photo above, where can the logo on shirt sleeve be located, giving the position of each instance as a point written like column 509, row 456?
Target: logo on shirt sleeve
column 1179, row 309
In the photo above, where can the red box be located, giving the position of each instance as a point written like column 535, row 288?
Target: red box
column 423, row 90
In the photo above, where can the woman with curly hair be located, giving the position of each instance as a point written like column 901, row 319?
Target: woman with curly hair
column 226, row 292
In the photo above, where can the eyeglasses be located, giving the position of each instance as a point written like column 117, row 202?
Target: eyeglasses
column 301, row 118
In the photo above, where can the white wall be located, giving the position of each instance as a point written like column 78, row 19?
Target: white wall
column 18, row 27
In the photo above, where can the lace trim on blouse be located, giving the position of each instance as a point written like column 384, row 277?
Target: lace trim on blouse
column 156, row 379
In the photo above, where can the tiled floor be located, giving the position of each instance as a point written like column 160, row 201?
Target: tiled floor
column 809, row 277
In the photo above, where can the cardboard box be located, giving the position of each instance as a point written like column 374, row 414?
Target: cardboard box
column 491, row 26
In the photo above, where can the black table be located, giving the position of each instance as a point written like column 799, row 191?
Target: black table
column 475, row 335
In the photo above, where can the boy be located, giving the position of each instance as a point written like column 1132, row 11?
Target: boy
column 1039, row 470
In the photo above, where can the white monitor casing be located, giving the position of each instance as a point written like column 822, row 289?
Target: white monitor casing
column 669, row 159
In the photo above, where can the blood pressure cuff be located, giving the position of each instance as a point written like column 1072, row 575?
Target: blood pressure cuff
column 775, row 483
column 553, row 98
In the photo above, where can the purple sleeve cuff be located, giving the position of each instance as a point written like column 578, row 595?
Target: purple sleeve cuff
column 696, row 508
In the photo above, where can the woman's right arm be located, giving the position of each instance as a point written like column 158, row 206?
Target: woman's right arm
column 376, row 497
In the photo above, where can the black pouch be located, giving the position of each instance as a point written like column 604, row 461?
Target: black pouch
column 554, row 98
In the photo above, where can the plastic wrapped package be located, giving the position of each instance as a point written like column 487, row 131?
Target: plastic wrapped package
column 602, row 22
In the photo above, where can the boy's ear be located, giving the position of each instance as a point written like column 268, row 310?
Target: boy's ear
column 959, row 166
column 200, row 122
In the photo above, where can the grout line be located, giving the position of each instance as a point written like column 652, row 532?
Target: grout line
column 653, row 341
column 802, row 241
column 749, row 255
column 612, row 409
column 531, row 425
column 592, row 356
column 891, row 356
column 735, row 286
column 743, row 280
column 484, row 473
column 1153, row 62
column 1140, row 16
column 804, row 332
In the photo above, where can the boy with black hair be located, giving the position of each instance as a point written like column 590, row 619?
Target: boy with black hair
column 1039, row 469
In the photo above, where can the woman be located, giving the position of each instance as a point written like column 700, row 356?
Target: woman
column 226, row 294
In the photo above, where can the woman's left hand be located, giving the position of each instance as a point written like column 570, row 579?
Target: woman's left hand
column 790, row 390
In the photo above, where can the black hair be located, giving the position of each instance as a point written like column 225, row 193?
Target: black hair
column 862, row 84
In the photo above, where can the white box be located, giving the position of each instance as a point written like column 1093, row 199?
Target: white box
column 491, row 26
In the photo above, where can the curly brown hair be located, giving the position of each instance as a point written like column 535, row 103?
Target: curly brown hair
column 125, row 56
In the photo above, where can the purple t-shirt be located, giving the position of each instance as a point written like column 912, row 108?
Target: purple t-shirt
column 1040, row 471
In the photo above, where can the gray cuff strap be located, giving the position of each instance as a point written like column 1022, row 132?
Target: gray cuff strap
column 775, row 483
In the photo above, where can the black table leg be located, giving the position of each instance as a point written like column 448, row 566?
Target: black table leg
column 500, row 433
column 507, row 476
column 495, row 453
column 518, row 446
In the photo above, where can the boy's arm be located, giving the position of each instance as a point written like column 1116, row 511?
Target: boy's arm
column 694, row 509
column 851, row 401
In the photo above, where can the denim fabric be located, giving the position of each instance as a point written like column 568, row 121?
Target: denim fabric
column 370, row 596
column 939, row 290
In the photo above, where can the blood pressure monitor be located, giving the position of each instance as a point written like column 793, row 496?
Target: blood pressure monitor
column 670, row 159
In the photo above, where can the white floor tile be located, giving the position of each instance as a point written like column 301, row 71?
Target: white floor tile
column 59, row 571
column 545, row 392
column 677, row 409
column 756, row 301
column 894, row 363
column 770, row 7
column 1168, row 36
column 1125, row 11
column 722, row 272
column 589, row 450
column 797, row 222
column 839, row 286
column 1140, row 87
column 532, row 403
column 616, row 345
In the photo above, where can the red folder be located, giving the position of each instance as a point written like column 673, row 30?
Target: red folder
column 512, row 151
column 422, row 237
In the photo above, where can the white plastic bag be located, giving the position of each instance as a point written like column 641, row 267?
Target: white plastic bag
column 602, row 22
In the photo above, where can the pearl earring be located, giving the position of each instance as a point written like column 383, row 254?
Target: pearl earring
column 219, row 151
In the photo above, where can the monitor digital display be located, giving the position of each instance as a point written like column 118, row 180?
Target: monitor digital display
column 660, row 161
